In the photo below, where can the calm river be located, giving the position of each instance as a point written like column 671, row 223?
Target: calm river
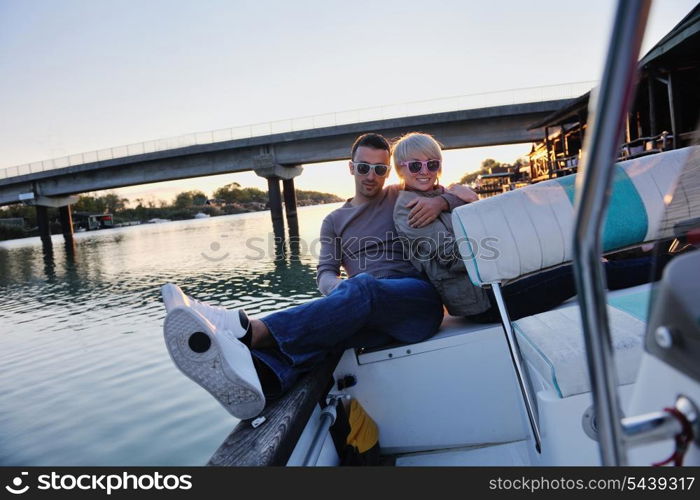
column 85, row 378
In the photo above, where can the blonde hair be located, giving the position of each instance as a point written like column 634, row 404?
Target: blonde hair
column 412, row 144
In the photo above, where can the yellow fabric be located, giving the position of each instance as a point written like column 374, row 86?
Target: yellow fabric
column 363, row 430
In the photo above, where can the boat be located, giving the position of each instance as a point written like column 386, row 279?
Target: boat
column 609, row 378
column 201, row 215
column 85, row 221
column 156, row 220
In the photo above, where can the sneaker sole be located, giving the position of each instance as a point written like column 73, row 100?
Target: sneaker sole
column 240, row 398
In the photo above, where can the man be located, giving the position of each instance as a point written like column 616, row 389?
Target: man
column 241, row 361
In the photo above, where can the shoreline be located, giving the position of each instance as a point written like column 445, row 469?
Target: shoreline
column 9, row 244
column 160, row 220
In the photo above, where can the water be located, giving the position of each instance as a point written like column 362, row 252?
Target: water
column 85, row 378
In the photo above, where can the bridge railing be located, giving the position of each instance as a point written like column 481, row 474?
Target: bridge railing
column 416, row 108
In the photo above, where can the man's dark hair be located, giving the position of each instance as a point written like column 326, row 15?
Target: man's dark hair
column 370, row 140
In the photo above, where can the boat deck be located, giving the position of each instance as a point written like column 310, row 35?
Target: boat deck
column 508, row 454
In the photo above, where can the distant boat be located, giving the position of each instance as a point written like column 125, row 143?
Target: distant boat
column 158, row 221
column 90, row 221
column 201, row 215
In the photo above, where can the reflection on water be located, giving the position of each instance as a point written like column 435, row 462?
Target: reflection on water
column 85, row 376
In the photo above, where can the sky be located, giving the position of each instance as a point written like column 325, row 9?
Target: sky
column 81, row 75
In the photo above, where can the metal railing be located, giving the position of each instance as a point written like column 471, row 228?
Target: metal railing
column 416, row 108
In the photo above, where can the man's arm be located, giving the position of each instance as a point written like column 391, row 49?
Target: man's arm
column 426, row 209
column 464, row 193
column 432, row 241
column 453, row 201
column 329, row 260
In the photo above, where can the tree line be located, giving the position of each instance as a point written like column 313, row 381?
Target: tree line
column 229, row 199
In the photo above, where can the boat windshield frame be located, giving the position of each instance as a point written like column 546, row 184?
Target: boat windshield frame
column 608, row 107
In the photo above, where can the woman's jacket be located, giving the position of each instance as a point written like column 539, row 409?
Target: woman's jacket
column 433, row 250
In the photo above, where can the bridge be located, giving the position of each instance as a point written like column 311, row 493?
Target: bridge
column 278, row 150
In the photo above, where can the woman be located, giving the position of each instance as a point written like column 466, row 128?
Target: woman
column 417, row 159
column 418, row 162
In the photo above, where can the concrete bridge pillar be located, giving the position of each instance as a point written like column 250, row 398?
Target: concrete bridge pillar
column 265, row 166
column 42, row 221
column 290, row 207
column 275, row 199
column 42, row 204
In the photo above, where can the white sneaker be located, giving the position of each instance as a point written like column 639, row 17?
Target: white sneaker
column 216, row 360
column 234, row 320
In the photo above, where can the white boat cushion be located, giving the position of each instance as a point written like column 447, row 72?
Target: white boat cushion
column 523, row 231
column 553, row 344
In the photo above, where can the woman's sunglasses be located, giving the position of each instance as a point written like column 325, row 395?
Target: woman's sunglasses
column 363, row 168
column 415, row 166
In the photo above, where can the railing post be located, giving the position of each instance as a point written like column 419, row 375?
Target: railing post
column 519, row 367
column 672, row 109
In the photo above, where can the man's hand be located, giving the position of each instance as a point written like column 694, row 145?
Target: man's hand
column 464, row 193
column 425, row 210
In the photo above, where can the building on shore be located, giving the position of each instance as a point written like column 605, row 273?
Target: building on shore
column 664, row 114
column 502, row 177
column 493, row 183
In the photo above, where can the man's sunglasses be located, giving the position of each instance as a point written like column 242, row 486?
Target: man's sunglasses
column 415, row 166
column 363, row 168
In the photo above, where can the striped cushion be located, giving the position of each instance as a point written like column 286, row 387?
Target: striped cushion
column 531, row 228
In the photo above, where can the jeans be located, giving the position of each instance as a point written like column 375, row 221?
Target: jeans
column 362, row 311
column 549, row 289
